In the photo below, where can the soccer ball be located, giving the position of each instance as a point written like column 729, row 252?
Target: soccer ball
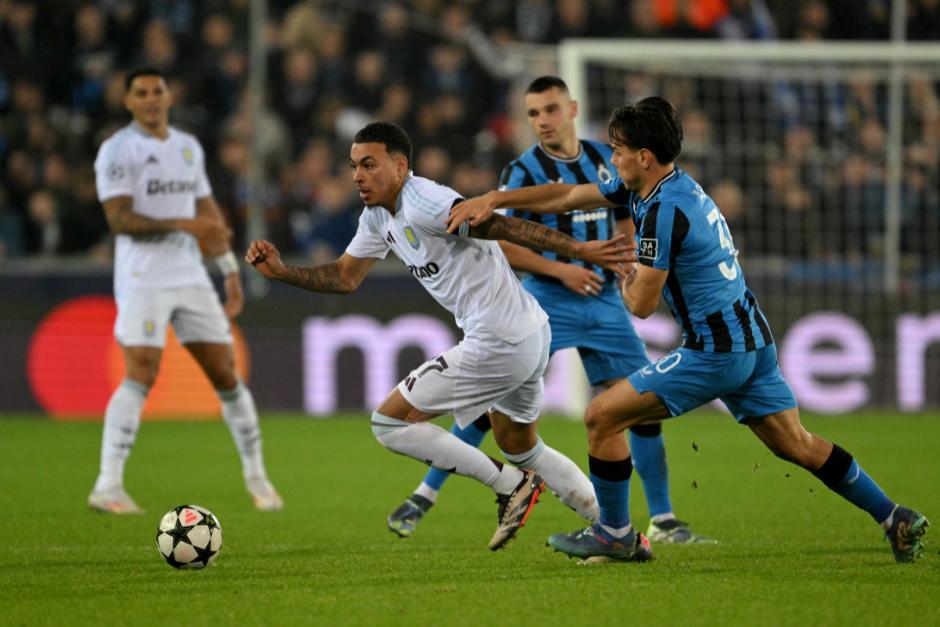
column 189, row 536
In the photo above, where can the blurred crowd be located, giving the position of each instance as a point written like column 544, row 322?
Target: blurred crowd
column 438, row 68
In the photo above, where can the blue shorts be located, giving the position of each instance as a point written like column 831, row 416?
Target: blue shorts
column 750, row 384
column 598, row 326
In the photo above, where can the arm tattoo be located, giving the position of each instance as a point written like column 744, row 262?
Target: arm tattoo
column 526, row 233
column 326, row 278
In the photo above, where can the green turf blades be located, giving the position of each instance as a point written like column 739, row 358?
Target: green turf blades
column 792, row 553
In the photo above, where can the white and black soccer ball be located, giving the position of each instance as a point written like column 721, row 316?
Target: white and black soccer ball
column 189, row 536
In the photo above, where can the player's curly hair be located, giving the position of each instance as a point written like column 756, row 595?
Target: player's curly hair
column 392, row 136
column 651, row 123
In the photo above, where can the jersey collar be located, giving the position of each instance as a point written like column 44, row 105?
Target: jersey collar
column 573, row 159
column 137, row 128
column 658, row 186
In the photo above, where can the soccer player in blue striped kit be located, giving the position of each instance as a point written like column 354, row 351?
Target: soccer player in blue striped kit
column 686, row 254
column 583, row 303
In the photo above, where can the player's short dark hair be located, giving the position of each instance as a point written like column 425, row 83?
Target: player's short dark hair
column 392, row 136
column 651, row 123
column 142, row 71
column 544, row 83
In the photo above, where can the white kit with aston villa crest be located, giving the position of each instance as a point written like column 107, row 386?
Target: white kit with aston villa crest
column 469, row 277
column 164, row 178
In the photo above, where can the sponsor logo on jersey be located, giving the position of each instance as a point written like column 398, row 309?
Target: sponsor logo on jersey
column 412, row 238
column 188, row 155
column 424, row 272
column 649, row 247
column 594, row 215
column 151, row 159
column 156, row 187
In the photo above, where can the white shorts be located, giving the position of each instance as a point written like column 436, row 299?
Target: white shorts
column 476, row 376
column 195, row 313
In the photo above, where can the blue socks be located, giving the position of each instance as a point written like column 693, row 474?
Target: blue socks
column 842, row 474
column 612, row 487
column 649, row 458
column 472, row 435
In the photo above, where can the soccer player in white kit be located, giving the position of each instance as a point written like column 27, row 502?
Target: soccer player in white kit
column 497, row 367
column 152, row 183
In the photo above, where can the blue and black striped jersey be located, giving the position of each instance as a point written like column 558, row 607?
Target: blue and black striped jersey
column 680, row 229
column 592, row 165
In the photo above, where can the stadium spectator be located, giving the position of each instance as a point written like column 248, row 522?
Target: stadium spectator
column 320, row 85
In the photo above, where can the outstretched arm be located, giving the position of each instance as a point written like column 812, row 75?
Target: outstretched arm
column 338, row 277
column 549, row 198
column 610, row 254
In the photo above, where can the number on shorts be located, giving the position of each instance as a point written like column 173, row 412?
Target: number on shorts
column 440, row 366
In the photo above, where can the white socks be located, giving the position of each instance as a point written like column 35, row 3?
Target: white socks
column 562, row 476
column 239, row 413
column 121, row 421
column 432, row 445
column 618, row 532
column 427, row 492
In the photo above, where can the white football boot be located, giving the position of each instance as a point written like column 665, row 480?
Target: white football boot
column 113, row 501
column 264, row 495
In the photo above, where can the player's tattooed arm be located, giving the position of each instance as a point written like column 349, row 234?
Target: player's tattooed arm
column 123, row 220
column 610, row 254
column 338, row 277
column 326, row 278
column 526, row 233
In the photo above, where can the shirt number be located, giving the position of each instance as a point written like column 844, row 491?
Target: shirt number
column 729, row 270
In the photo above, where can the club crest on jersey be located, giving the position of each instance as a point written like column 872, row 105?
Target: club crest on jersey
column 603, row 174
column 188, row 155
column 412, row 238
column 649, row 247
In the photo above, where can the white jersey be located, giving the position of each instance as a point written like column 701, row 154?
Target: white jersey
column 164, row 178
column 469, row 277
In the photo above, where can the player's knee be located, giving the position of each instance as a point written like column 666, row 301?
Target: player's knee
column 143, row 371
column 386, row 429
column 223, row 379
column 597, row 419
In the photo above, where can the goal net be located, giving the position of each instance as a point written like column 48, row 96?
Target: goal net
column 825, row 161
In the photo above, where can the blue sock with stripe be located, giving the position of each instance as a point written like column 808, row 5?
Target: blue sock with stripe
column 472, row 435
column 649, row 458
column 842, row 474
column 612, row 487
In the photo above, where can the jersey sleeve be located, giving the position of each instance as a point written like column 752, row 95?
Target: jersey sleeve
column 203, row 187
column 613, row 190
column 367, row 242
column 514, row 176
column 662, row 232
column 113, row 170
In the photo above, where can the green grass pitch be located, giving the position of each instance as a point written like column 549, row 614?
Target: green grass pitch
column 791, row 552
